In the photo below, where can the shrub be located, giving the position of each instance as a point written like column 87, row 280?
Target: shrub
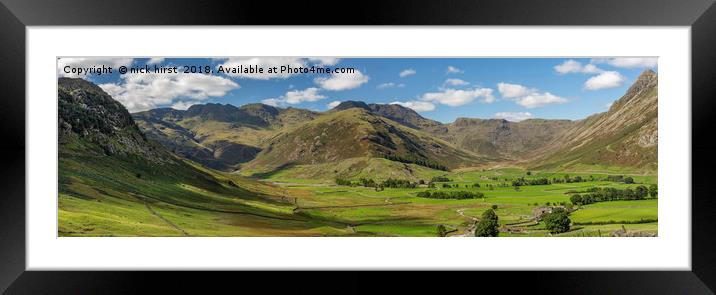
column 340, row 181
column 557, row 221
column 459, row 195
column 488, row 225
column 440, row 179
column 442, row 231
column 653, row 191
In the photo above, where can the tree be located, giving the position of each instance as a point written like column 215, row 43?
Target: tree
column 628, row 180
column 557, row 221
column 487, row 226
column 442, row 231
column 576, row 199
column 653, row 191
column 641, row 192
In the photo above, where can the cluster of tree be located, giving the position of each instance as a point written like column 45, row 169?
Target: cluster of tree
column 346, row 182
column 557, row 221
column 550, row 204
column 369, row 182
column 537, row 181
column 488, row 225
column 398, row 183
column 440, row 179
column 597, row 194
column 653, row 191
column 417, row 161
column 568, row 179
column 456, row 185
column 619, row 178
column 458, row 195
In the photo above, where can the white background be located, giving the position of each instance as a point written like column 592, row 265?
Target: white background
column 671, row 250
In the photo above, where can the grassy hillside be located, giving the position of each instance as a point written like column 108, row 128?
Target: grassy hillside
column 500, row 138
column 357, row 133
column 115, row 182
column 117, row 196
column 625, row 136
column 353, row 169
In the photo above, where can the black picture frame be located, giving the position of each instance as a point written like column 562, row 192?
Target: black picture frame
column 16, row 15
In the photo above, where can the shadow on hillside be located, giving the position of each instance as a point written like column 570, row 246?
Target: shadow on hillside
column 268, row 174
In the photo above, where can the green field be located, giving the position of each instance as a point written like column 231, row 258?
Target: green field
column 224, row 204
column 398, row 212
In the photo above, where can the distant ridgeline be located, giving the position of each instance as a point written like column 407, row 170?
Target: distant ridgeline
column 267, row 139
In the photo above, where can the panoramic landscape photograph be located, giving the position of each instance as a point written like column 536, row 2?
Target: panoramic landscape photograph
column 357, row 147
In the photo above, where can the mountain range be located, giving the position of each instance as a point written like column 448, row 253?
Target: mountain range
column 150, row 173
column 257, row 137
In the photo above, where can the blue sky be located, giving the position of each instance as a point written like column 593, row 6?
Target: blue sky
column 438, row 88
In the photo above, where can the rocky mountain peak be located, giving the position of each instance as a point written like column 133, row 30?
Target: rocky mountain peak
column 403, row 115
column 85, row 108
column 647, row 81
column 90, row 119
column 351, row 104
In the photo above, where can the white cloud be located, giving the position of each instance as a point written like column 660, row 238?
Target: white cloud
column 342, row 81
column 513, row 90
column 274, row 102
column 407, row 72
column 333, row 104
column 605, row 80
column 458, row 97
column 573, row 66
column 299, row 96
column 418, row 106
column 528, row 97
column 535, row 100
column 155, row 60
column 183, row 105
column 454, row 70
column 114, row 63
column 325, row 61
column 609, row 104
column 139, row 92
column 455, row 82
column 513, row 116
column 390, row 85
column 629, row 62
column 265, row 63
column 295, row 97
